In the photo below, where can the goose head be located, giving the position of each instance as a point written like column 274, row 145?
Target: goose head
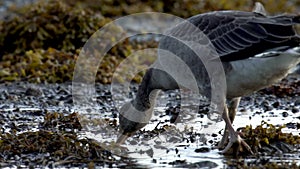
column 133, row 116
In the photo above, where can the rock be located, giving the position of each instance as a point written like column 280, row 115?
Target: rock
column 276, row 104
column 297, row 101
column 34, row 91
column 295, row 110
column 285, row 114
column 201, row 164
column 214, row 135
column 202, row 150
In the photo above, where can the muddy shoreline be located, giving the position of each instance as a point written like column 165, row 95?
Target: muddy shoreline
column 24, row 106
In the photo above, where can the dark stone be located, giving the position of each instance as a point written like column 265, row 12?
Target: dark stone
column 34, row 92
column 295, row 110
column 202, row 150
column 214, row 135
column 276, row 104
column 285, row 114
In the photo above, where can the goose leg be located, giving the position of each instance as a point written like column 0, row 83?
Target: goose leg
column 234, row 137
column 232, row 109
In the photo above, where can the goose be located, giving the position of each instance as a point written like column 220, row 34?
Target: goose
column 255, row 49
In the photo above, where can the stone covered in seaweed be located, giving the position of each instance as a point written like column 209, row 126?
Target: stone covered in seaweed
column 267, row 135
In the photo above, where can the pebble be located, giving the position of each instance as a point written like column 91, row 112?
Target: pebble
column 34, row 91
column 214, row 135
column 276, row 104
column 295, row 110
column 268, row 108
column 285, row 114
column 3, row 95
column 202, row 150
column 297, row 101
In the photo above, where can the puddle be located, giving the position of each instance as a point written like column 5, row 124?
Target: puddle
column 160, row 152
column 188, row 143
column 173, row 147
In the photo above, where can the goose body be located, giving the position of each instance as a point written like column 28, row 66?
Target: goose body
column 255, row 73
column 255, row 50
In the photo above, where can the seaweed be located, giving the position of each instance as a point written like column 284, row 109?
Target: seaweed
column 181, row 8
column 40, row 42
column 38, row 66
column 266, row 134
column 49, row 147
column 48, row 24
column 55, row 66
column 62, row 147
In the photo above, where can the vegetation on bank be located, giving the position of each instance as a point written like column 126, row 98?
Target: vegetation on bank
column 40, row 42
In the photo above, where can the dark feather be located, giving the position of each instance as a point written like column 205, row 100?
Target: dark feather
column 238, row 35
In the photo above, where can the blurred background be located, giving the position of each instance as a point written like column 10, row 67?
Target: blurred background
column 40, row 40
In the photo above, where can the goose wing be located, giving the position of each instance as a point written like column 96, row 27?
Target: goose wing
column 238, row 35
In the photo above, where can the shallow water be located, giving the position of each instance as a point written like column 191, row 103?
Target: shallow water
column 23, row 106
column 172, row 149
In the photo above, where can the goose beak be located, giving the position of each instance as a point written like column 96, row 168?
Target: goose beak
column 121, row 139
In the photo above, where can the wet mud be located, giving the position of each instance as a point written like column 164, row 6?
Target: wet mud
column 40, row 126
